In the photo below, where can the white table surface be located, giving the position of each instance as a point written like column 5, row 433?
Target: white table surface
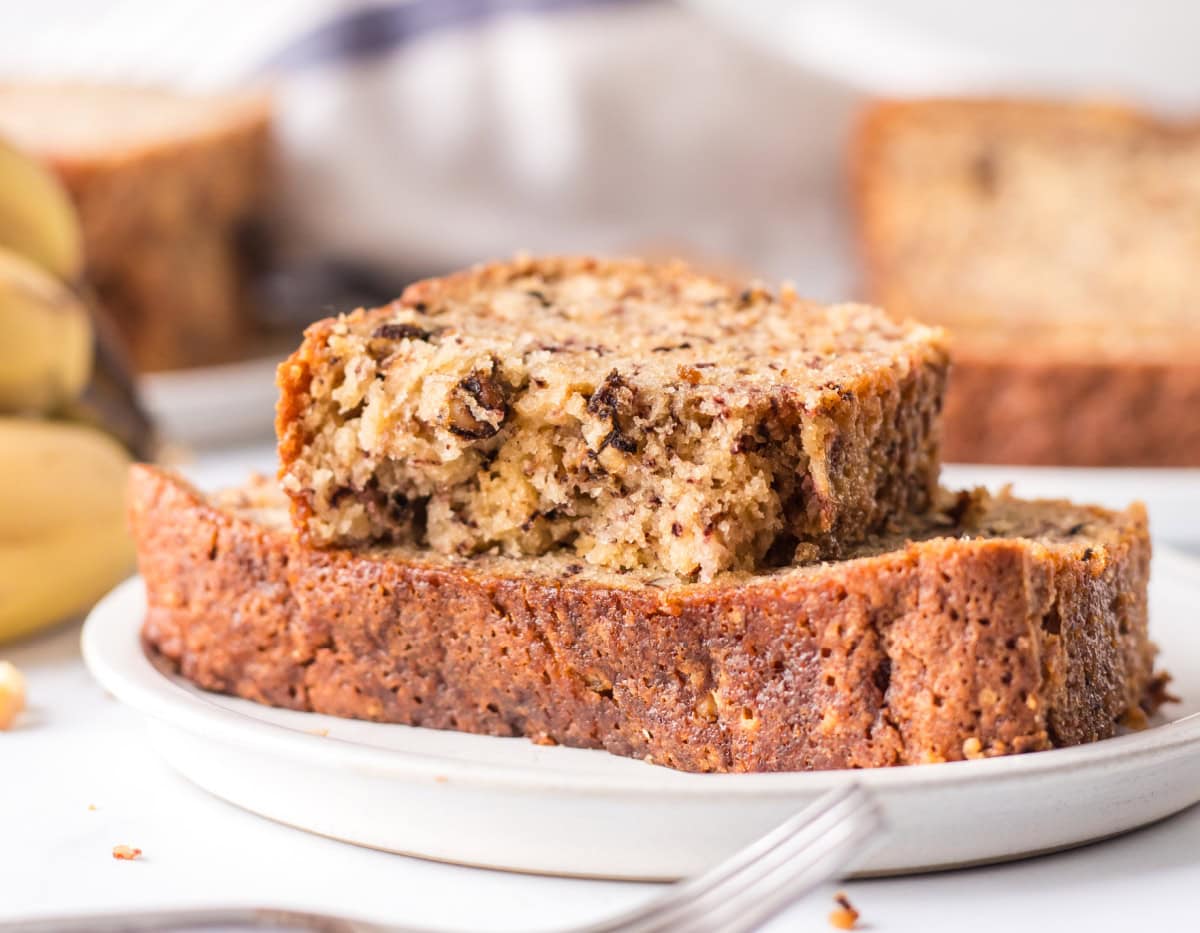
column 78, row 747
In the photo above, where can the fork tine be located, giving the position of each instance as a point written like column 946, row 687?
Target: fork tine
column 690, row 900
column 786, row 831
column 793, row 855
column 791, row 878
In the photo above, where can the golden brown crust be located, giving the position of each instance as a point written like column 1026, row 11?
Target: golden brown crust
column 1029, row 394
column 943, row 649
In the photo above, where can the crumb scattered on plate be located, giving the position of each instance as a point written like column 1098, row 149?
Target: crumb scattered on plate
column 845, row 917
column 128, row 853
column 12, row 694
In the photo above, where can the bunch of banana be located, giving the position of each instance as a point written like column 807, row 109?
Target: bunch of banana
column 62, row 479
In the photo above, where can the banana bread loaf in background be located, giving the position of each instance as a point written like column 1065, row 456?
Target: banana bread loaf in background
column 637, row 415
column 985, row 627
column 1058, row 243
column 167, row 185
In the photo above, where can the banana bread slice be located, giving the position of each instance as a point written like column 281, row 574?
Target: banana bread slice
column 643, row 416
column 987, row 627
column 169, row 187
column 1058, row 243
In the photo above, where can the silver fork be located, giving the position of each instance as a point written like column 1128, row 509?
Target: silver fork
column 738, row 895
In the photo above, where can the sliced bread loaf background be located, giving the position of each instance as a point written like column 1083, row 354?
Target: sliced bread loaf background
column 171, row 189
column 1058, row 243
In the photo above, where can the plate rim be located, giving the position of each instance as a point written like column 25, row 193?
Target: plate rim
column 126, row 672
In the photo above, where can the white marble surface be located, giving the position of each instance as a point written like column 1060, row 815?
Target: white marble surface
column 78, row 748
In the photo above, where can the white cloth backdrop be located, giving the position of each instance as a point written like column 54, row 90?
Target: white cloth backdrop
column 609, row 126
column 421, row 135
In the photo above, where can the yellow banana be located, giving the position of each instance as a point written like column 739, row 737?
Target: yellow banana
column 46, row 353
column 56, row 473
column 63, row 541
column 37, row 218
column 53, row 578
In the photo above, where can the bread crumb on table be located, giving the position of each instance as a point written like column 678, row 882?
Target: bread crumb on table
column 845, row 917
column 12, row 694
column 126, row 853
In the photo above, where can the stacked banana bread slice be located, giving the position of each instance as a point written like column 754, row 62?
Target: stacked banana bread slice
column 637, row 415
column 627, row 506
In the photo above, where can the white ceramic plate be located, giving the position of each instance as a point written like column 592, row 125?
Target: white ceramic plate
column 507, row 803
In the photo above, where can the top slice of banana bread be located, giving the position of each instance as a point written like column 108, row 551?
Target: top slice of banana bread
column 643, row 416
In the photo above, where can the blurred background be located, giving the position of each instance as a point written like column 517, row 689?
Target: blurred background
column 186, row 184
column 242, row 168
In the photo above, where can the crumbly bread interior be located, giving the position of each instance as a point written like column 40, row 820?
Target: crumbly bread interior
column 1056, row 524
column 637, row 416
column 1070, row 228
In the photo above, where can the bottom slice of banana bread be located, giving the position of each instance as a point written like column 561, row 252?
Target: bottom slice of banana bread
column 990, row 626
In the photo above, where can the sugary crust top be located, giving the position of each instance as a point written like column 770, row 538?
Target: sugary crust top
column 574, row 317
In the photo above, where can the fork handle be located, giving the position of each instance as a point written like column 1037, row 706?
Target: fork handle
column 159, row 921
